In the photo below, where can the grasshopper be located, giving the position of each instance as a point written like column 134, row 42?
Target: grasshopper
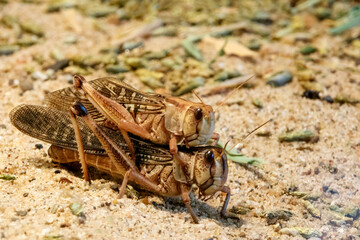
column 158, row 118
column 104, row 148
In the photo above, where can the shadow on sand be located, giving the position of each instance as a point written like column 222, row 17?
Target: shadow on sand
column 171, row 204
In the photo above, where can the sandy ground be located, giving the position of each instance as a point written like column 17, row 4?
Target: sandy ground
column 35, row 205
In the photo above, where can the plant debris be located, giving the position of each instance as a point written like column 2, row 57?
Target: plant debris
column 302, row 231
column 311, row 209
column 231, row 47
column 242, row 210
column 344, row 98
column 234, row 156
column 76, row 208
column 308, row 50
column 273, row 217
column 190, row 48
column 296, row 136
column 5, row 176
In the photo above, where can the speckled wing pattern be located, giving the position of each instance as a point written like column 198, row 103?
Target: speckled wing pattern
column 133, row 100
column 54, row 126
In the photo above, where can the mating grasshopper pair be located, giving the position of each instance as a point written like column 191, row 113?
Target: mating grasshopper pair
column 97, row 128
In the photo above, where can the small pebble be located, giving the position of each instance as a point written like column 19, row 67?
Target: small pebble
column 39, row 146
column 352, row 212
column 64, row 225
column 59, row 65
column 333, row 191
column 57, row 171
column 49, row 220
column 26, row 85
column 311, row 94
column 82, row 218
column 70, row 39
column 26, row 194
column 115, row 187
column 328, row 99
column 39, row 76
column 69, row 78
column 21, row 213
column 13, row 82
column 280, row 79
column 333, row 170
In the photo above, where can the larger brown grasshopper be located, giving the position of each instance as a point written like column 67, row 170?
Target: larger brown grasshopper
column 154, row 169
column 161, row 119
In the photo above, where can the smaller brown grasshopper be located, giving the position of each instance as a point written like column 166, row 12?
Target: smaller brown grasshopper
column 153, row 169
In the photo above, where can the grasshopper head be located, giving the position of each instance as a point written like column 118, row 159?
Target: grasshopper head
column 195, row 122
column 210, row 170
column 199, row 124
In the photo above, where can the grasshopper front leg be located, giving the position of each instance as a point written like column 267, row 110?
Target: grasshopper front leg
column 180, row 176
column 185, row 189
column 127, row 167
column 225, row 189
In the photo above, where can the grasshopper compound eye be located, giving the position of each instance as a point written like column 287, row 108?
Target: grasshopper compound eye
column 209, row 156
column 198, row 113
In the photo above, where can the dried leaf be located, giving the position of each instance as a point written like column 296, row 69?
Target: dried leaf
column 232, row 47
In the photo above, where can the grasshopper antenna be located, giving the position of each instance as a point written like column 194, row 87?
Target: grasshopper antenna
column 252, row 131
column 224, row 149
column 222, row 103
column 198, row 96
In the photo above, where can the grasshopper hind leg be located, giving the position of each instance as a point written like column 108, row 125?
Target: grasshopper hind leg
column 80, row 146
column 121, row 161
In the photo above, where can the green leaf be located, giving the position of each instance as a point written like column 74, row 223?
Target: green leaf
column 351, row 20
column 5, row 176
column 238, row 157
column 191, row 49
